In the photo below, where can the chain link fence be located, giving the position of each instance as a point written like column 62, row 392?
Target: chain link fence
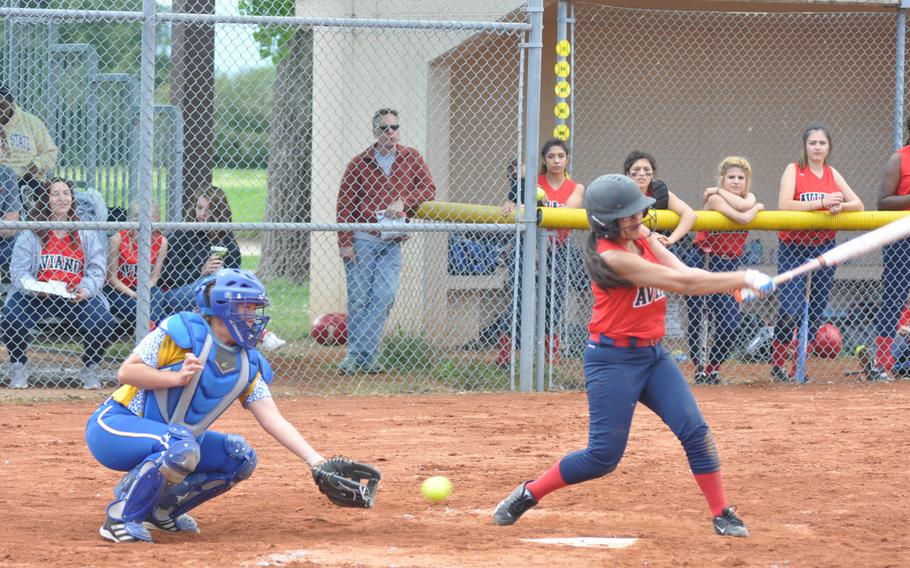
column 258, row 119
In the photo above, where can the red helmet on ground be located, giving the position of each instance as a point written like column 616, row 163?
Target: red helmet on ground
column 828, row 342
column 330, row 329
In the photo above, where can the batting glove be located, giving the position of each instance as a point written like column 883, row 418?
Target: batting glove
column 760, row 283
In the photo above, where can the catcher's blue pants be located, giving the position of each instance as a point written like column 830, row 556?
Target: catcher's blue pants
column 895, row 287
column 616, row 379
column 121, row 440
column 792, row 295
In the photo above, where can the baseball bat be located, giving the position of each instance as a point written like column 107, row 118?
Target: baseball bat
column 858, row 246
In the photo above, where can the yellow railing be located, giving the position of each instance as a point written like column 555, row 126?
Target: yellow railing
column 564, row 218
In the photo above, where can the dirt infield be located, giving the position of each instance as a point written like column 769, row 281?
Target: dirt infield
column 820, row 474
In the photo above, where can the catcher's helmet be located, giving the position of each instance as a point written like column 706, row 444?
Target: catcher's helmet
column 610, row 198
column 231, row 289
column 330, row 329
column 828, row 342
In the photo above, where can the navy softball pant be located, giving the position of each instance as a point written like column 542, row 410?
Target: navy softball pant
column 616, row 379
column 792, row 295
column 895, row 287
column 722, row 309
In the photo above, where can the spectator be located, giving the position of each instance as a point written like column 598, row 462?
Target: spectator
column 198, row 253
column 194, row 255
column 893, row 195
column 10, row 210
column 642, row 168
column 560, row 192
column 74, row 260
column 721, row 251
column 386, row 183
column 26, row 147
column 122, row 270
column 807, row 185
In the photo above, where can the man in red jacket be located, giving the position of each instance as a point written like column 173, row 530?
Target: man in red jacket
column 385, row 183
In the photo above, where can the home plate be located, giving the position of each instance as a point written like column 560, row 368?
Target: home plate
column 586, row 541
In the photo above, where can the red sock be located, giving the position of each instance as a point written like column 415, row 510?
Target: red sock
column 779, row 351
column 884, row 357
column 548, row 482
column 712, row 485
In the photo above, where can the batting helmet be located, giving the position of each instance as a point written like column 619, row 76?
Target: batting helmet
column 330, row 329
column 232, row 289
column 610, row 198
column 828, row 342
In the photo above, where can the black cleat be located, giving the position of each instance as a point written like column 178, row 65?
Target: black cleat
column 701, row 378
column 872, row 372
column 728, row 524
column 120, row 531
column 514, row 506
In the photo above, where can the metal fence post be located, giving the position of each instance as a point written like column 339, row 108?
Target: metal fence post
column 900, row 43
column 146, row 126
column 529, row 249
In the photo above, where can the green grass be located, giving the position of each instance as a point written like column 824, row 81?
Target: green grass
column 246, row 190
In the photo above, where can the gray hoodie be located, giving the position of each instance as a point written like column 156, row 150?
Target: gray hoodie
column 27, row 250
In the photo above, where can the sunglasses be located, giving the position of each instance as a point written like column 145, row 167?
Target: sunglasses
column 388, row 127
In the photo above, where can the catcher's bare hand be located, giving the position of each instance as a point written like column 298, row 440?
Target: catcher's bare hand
column 347, row 483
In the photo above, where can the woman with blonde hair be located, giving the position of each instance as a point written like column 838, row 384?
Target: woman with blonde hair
column 720, row 251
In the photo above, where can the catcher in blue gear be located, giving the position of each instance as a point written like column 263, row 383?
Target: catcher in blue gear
column 177, row 381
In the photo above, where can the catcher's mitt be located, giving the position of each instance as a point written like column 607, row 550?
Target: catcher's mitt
column 347, row 483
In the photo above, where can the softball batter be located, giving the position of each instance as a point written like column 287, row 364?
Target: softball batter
column 624, row 360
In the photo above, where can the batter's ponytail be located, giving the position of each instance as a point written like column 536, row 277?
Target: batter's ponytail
column 600, row 273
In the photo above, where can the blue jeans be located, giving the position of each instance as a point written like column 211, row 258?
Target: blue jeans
column 372, row 280
column 616, row 380
column 124, row 307
column 182, row 299
column 92, row 319
column 792, row 295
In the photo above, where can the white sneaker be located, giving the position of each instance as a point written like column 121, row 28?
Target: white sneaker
column 271, row 342
column 89, row 377
column 18, row 376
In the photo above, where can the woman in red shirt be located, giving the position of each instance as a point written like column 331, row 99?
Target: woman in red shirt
column 624, row 360
column 122, row 265
column 560, row 192
column 720, row 251
column 807, row 185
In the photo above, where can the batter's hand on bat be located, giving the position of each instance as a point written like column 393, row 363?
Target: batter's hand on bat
column 758, row 285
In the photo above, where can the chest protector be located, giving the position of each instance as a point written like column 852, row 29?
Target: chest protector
column 227, row 372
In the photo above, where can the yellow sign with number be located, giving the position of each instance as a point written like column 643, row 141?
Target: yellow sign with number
column 562, row 69
column 561, row 110
column 561, row 132
column 563, row 48
column 563, row 89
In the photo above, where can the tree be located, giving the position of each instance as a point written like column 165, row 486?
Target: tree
column 287, row 254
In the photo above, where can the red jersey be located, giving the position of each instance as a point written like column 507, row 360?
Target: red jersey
column 128, row 259
column 557, row 198
column 62, row 259
column 628, row 312
column 903, row 186
column 727, row 244
column 810, row 187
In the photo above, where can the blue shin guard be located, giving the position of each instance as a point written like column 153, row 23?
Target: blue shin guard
column 140, row 489
column 197, row 488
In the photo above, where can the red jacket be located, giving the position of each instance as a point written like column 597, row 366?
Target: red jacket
column 365, row 189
